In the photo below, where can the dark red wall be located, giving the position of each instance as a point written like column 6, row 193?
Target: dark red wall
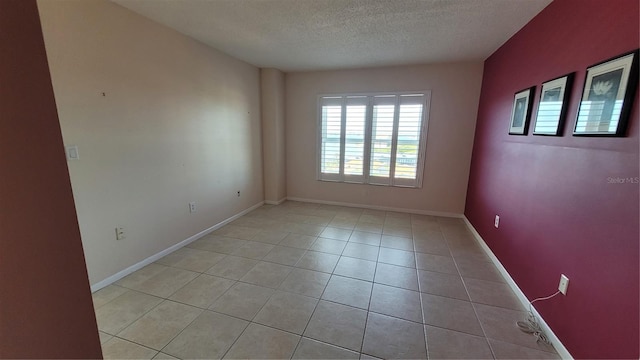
column 558, row 212
column 45, row 301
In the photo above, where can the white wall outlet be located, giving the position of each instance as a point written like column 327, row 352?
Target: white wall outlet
column 120, row 233
column 192, row 207
column 72, row 152
column 496, row 222
column 564, row 284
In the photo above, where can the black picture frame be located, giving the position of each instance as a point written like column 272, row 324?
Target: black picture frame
column 607, row 97
column 521, row 111
column 553, row 104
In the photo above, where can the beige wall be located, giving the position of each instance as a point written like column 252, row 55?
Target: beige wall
column 273, row 135
column 178, row 122
column 455, row 92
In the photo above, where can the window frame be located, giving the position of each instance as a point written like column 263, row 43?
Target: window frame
column 366, row 178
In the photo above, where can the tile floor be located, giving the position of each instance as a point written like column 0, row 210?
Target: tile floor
column 310, row 281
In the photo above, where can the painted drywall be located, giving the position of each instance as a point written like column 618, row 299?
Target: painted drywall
column 45, row 301
column 455, row 90
column 273, row 134
column 159, row 119
column 561, row 207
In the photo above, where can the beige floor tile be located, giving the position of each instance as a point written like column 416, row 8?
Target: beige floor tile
column 470, row 253
column 390, row 338
column 492, row 293
column 347, row 224
column 398, row 276
column 243, row 300
column 202, row 291
column 284, row 255
column 166, row 282
column 104, row 337
column 329, row 246
column 298, row 241
column 503, row 350
column 392, row 220
column 305, row 282
column 239, row 232
column 107, row 294
column 368, row 357
column 404, row 231
column 136, row 278
column 372, row 218
column 163, row 356
column 267, row 274
column 270, row 237
column 192, row 259
column 499, row 324
column 337, row 324
column 157, row 327
column 355, row 268
column 430, row 246
column 348, row 291
column 336, row 233
column 306, row 229
column 318, row 220
column 207, row 337
column 261, row 342
column 437, row 263
column 442, row 284
column 369, row 227
column 318, row 261
column 397, row 302
column 122, row 349
column 397, row 242
column 219, row 244
column 479, row 270
column 366, row 238
column 287, row 311
column 253, row 250
column 124, row 310
column 432, row 236
column 397, row 257
column 361, row 251
column 312, row 349
column 450, row 314
column 232, row 267
column 448, row 344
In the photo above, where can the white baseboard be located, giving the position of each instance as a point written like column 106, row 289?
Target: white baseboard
column 555, row 341
column 377, row 207
column 272, row 202
column 120, row 274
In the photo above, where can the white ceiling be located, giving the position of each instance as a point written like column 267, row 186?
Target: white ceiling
column 297, row 35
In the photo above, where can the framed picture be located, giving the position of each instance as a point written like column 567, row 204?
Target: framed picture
column 521, row 111
column 609, row 89
column 552, row 109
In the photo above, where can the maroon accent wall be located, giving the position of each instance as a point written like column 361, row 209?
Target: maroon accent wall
column 559, row 213
column 46, row 309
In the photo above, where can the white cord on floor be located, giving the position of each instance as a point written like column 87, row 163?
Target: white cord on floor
column 530, row 324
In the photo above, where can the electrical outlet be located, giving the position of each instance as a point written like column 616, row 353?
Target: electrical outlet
column 496, row 222
column 120, row 233
column 192, row 207
column 564, row 284
column 238, row 193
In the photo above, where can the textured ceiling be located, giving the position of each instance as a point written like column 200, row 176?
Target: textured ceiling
column 295, row 35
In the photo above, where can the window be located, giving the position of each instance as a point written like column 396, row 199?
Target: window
column 373, row 139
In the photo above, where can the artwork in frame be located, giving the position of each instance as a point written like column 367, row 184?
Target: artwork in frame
column 608, row 93
column 521, row 111
column 552, row 109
